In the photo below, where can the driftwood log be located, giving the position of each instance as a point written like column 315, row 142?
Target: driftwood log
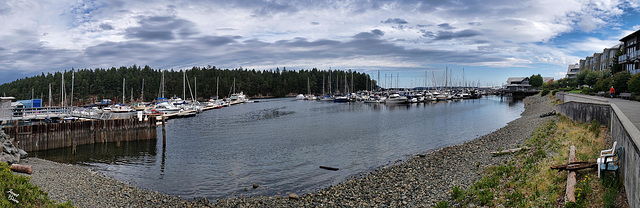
column 510, row 151
column 329, row 168
column 575, row 166
column 571, row 178
column 21, row 168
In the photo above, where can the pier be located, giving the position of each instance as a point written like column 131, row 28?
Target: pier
column 44, row 136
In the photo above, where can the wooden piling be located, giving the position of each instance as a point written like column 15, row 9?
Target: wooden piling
column 43, row 136
column 164, row 132
column 571, row 178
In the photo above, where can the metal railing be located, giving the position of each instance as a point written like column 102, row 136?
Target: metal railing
column 60, row 112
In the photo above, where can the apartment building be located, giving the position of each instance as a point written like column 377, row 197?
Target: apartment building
column 573, row 70
column 595, row 62
column 630, row 59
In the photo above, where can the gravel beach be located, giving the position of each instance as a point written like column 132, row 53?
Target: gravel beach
column 420, row 181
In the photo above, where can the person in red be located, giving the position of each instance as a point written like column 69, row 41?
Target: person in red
column 612, row 91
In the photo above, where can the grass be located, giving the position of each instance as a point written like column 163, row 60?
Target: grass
column 27, row 194
column 527, row 180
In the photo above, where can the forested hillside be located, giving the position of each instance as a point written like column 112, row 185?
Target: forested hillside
column 97, row 84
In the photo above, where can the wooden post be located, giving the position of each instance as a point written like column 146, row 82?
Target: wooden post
column 16, row 129
column 571, row 178
column 164, row 132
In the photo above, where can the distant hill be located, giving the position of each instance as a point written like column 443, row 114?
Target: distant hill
column 97, row 84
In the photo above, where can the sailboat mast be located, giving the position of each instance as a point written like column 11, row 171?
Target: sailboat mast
column 123, row 98
column 217, row 80
column 73, row 77
column 323, row 84
column 49, row 94
column 142, row 91
column 62, row 91
column 184, row 82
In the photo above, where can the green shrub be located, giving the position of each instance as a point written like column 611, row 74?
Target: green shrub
column 28, row 195
column 544, row 92
column 457, row 193
column 554, row 92
column 634, row 84
column 620, row 80
column 595, row 127
column 442, row 204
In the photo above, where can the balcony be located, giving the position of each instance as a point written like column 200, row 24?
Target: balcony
column 634, row 55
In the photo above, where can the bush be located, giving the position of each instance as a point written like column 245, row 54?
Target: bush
column 544, row 92
column 634, row 83
column 620, row 80
column 554, row 92
column 603, row 85
column 586, row 90
column 28, row 195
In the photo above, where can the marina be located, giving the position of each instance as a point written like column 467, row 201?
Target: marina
column 280, row 143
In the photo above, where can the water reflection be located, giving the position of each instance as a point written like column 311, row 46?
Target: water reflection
column 280, row 144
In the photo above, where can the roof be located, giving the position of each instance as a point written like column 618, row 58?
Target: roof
column 7, row 98
column 634, row 34
column 547, row 79
column 617, row 46
column 516, row 79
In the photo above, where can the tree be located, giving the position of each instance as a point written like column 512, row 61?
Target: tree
column 536, row 81
column 603, row 85
column 591, row 78
column 620, row 80
column 616, row 67
column 634, row 83
column 581, row 76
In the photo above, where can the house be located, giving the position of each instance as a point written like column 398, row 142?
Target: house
column 517, row 83
column 630, row 58
column 573, row 70
column 547, row 79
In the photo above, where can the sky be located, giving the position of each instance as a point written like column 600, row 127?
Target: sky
column 482, row 41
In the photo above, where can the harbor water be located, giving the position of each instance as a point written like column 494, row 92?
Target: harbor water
column 279, row 144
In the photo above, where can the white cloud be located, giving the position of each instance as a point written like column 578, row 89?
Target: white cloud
column 500, row 33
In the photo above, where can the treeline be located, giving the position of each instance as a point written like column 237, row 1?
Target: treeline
column 97, row 84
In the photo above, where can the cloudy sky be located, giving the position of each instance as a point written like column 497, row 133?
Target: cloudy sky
column 491, row 40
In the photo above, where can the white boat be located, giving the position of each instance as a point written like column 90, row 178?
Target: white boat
column 396, row 99
column 327, row 98
column 300, row 97
column 167, row 108
column 117, row 108
column 237, row 98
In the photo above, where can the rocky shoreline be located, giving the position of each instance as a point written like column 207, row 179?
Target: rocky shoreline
column 420, row 181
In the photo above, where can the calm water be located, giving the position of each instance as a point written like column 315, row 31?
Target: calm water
column 280, row 143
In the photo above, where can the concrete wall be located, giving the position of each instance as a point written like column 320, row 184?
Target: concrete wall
column 586, row 112
column 581, row 109
column 623, row 131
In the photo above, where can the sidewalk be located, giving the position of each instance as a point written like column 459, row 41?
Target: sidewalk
column 631, row 109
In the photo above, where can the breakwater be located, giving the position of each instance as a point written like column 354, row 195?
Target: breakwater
column 44, row 136
column 587, row 108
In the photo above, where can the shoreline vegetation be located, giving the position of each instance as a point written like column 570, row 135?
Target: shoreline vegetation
column 91, row 85
column 464, row 175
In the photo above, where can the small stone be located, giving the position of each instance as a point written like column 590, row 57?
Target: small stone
column 255, row 186
column 293, row 196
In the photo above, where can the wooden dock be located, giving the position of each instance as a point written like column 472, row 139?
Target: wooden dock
column 44, row 136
